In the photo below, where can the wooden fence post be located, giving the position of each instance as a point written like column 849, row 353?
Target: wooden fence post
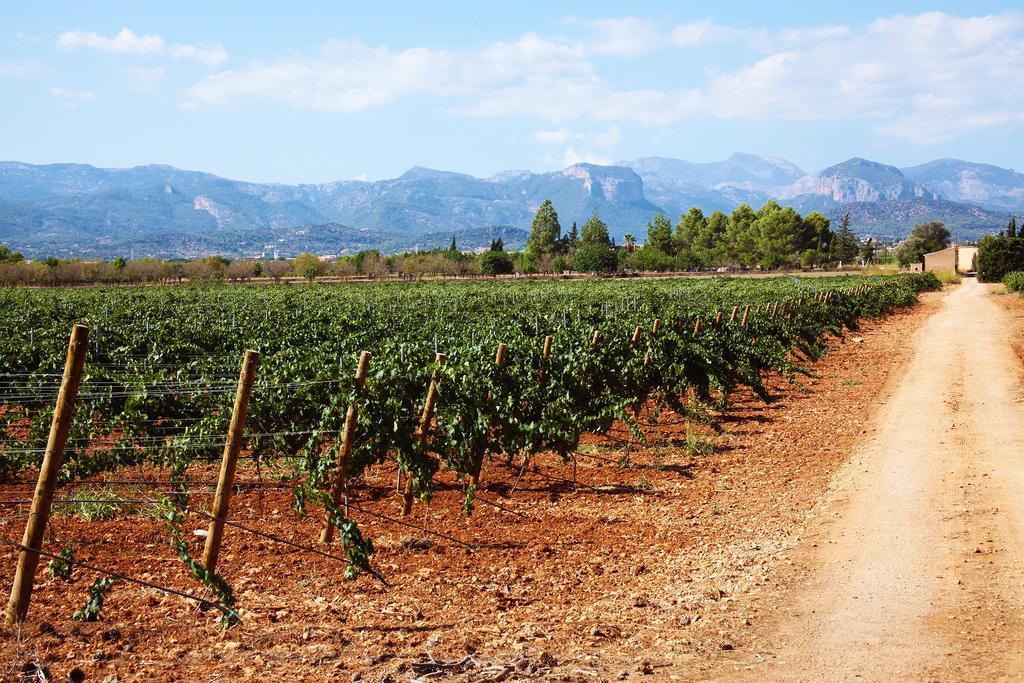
column 236, row 430
column 718, row 320
column 746, row 315
column 340, row 484
column 545, row 355
column 596, row 339
column 775, row 308
column 654, row 333
column 696, row 326
column 39, row 514
column 635, row 339
column 732, row 316
column 424, row 433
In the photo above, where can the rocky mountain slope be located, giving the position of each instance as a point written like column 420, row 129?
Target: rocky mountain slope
column 75, row 209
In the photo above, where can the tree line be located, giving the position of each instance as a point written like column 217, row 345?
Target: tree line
column 772, row 237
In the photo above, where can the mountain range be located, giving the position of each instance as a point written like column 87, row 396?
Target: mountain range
column 81, row 210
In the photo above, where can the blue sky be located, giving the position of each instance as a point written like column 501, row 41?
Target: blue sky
column 270, row 92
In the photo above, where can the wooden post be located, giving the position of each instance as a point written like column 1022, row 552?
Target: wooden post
column 654, row 333
column 425, row 419
column 746, row 315
column 545, row 354
column 39, row 514
column 718, row 320
column 635, row 339
column 236, row 430
column 696, row 326
column 596, row 339
column 775, row 308
column 348, row 433
column 732, row 316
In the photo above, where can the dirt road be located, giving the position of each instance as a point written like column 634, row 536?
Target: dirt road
column 916, row 560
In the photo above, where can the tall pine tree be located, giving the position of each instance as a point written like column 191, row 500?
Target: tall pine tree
column 545, row 231
column 845, row 245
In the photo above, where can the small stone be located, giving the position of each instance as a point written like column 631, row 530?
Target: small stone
column 726, row 645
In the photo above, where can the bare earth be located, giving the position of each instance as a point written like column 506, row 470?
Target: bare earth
column 865, row 525
column 917, row 562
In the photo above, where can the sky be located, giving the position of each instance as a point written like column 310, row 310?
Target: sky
column 274, row 92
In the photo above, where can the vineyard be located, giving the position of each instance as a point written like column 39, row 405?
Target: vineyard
column 435, row 379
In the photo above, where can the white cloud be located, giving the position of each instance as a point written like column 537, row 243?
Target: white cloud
column 702, row 32
column 131, row 43
column 625, row 36
column 24, row 67
column 71, row 98
column 350, row 76
column 555, row 137
column 575, row 156
column 922, row 78
column 210, row 55
column 608, row 138
column 125, row 42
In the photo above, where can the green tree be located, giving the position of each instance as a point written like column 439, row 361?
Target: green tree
column 495, row 263
column 740, row 241
column 594, row 253
column 574, row 236
column 308, row 265
column 689, row 226
column 497, row 244
column 453, row 247
column 844, row 246
column 8, row 256
column 777, row 232
column 1011, row 227
column 999, row 256
column 816, row 233
column 710, row 242
column 595, row 231
column 659, row 235
column 545, row 232
column 923, row 239
column 867, row 251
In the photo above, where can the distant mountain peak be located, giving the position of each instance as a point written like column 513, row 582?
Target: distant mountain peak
column 424, row 173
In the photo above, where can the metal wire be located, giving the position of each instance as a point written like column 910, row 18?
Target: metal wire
column 229, row 614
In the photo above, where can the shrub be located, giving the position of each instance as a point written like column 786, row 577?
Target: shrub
column 595, row 258
column 1014, row 282
column 998, row 256
column 495, row 263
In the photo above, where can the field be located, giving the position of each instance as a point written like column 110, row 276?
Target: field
column 613, row 404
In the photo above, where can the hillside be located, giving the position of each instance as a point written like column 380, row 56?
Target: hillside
column 80, row 210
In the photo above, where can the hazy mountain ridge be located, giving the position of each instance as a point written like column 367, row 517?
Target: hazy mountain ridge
column 78, row 209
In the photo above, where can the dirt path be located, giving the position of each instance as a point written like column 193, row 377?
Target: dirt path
column 917, row 564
